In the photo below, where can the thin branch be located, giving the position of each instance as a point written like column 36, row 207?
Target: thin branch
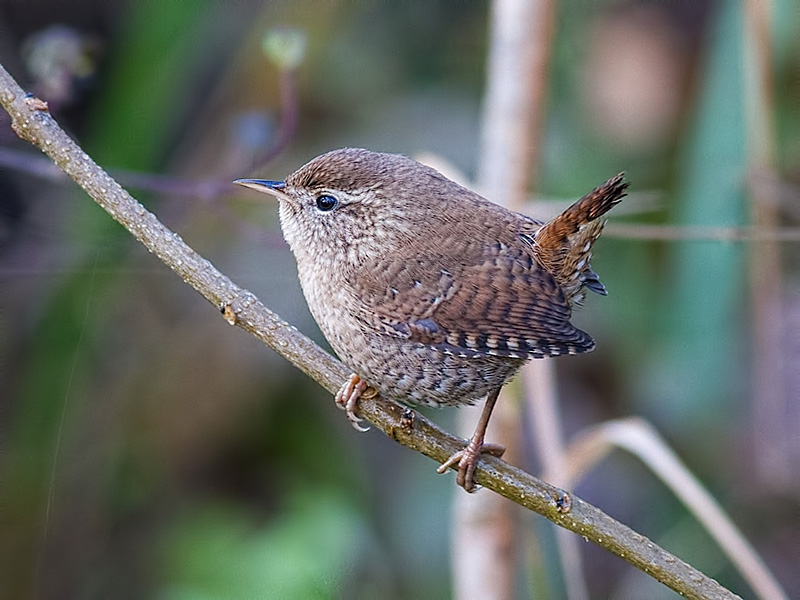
column 32, row 164
column 32, row 122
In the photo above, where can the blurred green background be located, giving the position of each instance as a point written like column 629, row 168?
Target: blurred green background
column 149, row 450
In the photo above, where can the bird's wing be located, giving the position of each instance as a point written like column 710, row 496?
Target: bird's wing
column 470, row 299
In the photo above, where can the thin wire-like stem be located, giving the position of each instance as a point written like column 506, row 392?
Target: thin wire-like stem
column 701, row 233
column 32, row 164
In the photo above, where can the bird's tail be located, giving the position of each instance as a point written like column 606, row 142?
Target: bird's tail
column 564, row 245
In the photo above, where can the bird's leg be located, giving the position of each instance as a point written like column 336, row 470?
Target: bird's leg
column 348, row 396
column 467, row 458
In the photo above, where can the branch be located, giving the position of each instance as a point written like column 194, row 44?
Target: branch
column 32, row 122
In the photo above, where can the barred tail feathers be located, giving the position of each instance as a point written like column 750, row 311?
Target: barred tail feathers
column 564, row 245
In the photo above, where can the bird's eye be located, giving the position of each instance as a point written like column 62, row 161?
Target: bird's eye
column 326, row 202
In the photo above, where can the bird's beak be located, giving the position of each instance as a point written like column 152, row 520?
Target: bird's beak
column 265, row 186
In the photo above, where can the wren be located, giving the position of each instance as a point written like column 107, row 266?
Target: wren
column 430, row 293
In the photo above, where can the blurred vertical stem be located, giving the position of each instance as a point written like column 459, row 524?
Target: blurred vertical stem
column 771, row 429
column 520, row 39
column 540, row 391
column 286, row 48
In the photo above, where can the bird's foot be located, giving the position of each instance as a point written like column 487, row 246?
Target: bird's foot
column 466, row 461
column 348, row 396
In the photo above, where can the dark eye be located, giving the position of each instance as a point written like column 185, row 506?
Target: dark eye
column 326, row 202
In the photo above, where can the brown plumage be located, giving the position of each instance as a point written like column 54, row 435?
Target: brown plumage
column 563, row 246
column 429, row 292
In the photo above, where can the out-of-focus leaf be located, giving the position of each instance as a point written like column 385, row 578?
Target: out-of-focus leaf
column 695, row 373
column 309, row 551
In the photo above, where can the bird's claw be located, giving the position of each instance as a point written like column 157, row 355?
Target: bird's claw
column 348, row 396
column 466, row 461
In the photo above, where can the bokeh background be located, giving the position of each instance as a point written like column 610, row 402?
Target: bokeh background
column 149, row 450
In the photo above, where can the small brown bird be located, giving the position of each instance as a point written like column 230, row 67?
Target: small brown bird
column 429, row 292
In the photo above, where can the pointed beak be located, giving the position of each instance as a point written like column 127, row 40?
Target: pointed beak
column 265, row 186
